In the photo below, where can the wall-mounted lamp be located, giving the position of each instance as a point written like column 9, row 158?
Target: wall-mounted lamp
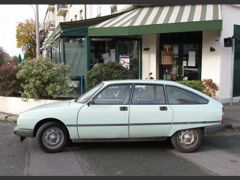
column 212, row 49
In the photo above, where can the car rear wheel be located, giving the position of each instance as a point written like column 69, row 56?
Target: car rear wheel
column 187, row 140
column 52, row 137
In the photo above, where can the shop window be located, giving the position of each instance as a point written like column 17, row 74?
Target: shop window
column 127, row 52
column 56, row 52
column 74, row 56
column 102, row 51
column 129, row 56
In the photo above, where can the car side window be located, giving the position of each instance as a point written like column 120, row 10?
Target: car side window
column 114, row 94
column 180, row 96
column 148, row 94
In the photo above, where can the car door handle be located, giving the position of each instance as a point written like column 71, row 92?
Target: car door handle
column 163, row 108
column 123, row 108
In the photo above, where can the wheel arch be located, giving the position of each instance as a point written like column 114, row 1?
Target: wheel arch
column 176, row 131
column 43, row 121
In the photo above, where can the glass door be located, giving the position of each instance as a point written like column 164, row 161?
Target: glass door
column 180, row 56
column 170, row 64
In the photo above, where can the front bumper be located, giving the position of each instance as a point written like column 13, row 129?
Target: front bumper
column 23, row 132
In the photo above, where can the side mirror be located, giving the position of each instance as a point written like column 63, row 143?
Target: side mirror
column 90, row 102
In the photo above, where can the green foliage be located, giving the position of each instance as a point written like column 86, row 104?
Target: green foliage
column 206, row 86
column 197, row 85
column 41, row 78
column 9, row 85
column 103, row 72
column 26, row 36
column 210, row 87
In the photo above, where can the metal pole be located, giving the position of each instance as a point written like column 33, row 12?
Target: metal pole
column 37, row 33
column 232, row 71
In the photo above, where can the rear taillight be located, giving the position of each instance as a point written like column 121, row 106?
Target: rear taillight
column 222, row 115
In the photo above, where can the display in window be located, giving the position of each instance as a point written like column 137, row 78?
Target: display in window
column 167, row 54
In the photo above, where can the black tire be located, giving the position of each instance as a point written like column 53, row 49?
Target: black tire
column 187, row 141
column 52, row 137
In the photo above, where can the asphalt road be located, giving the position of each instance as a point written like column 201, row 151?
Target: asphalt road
column 218, row 155
column 12, row 153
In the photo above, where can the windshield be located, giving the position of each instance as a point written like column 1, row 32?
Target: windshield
column 85, row 97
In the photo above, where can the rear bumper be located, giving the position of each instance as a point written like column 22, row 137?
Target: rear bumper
column 211, row 130
column 23, row 132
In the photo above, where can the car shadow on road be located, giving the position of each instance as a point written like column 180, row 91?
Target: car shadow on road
column 147, row 145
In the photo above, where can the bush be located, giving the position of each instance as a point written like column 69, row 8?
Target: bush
column 210, row 87
column 197, row 85
column 42, row 78
column 103, row 72
column 9, row 85
column 206, row 86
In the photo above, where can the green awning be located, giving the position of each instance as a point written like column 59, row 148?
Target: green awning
column 150, row 20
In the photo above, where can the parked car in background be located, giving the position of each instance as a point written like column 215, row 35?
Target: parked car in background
column 124, row 110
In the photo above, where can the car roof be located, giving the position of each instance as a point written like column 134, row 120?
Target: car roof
column 141, row 81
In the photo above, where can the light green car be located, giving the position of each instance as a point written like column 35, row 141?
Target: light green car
column 124, row 110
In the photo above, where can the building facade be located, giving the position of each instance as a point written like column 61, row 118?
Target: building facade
column 171, row 42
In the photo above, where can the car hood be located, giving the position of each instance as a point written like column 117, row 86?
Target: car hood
column 51, row 105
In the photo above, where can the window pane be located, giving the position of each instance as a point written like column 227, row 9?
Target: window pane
column 74, row 56
column 116, row 94
column 180, row 96
column 148, row 94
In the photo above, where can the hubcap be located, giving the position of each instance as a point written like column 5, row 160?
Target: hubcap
column 188, row 138
column 53, row 137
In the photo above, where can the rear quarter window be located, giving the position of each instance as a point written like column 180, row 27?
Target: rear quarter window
column 180, row 96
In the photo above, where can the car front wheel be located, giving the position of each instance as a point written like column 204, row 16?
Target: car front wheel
column 52, row 137
column 187, row 140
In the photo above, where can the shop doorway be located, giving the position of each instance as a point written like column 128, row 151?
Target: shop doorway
column 180, row 56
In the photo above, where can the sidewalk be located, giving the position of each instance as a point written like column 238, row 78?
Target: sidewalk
column 232, row 115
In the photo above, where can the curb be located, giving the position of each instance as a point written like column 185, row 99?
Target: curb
column 8, row 117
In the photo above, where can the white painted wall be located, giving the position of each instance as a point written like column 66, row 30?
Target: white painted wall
column 74, row 10
column 15, row 105
column 211, row 61
column 94, row 10
column 149, row 58
column 231, row 16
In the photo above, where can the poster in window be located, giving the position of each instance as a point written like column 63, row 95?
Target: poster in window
column 191, row 58
column 125, row 61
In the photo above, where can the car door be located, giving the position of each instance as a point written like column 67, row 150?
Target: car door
column 107, row 115
column 150, row 116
